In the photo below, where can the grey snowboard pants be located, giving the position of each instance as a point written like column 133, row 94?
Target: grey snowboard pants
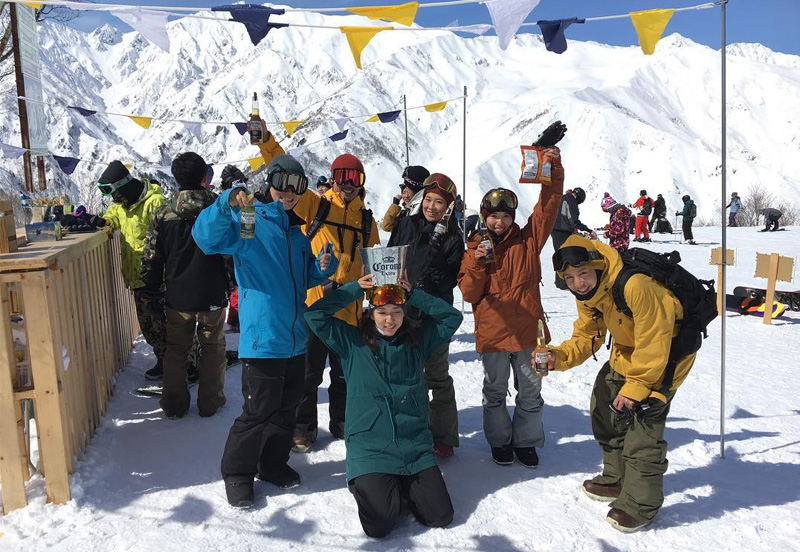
column 525, row 428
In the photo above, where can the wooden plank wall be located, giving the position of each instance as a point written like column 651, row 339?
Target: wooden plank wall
column 80, row 322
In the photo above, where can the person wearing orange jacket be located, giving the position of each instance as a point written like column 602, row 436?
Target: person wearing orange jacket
column 341, row 218
column 505, row 299
column 634, row 389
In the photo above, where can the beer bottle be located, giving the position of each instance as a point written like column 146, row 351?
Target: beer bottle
column 254, row 124
column 540, row 353
column 441, row 227
column 247, row 220
column 486, row 240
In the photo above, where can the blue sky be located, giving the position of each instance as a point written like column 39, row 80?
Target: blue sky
column 770, row 22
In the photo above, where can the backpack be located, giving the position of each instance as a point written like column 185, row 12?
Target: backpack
column 697, row 297
column 320, row 219
column 692, row 211
column 647, row 207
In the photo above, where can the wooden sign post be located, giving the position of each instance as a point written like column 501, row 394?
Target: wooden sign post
column 773, row 267
column 716, row 259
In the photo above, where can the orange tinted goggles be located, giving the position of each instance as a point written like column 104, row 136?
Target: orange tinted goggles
column 354, row 177
column 388, row 294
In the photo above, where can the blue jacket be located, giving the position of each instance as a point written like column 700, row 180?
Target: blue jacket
column 273, row 271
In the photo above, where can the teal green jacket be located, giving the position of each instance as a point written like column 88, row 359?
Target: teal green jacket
column 386, row 428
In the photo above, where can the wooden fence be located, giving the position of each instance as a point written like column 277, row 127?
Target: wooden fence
column 68, row 319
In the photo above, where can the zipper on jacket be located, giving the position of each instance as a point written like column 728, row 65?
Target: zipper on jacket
column 391, row 419
column 294, row 285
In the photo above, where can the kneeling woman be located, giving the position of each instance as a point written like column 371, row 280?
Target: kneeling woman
column 389, row 442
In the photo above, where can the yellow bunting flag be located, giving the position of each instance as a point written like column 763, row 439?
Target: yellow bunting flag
column 128, row 165
column 255, row 162
column 291, row 126
column 403, row 13
column 650, row 25
column 359, row 37
column 431, row 108
column 143, row 122
column 32, row 5
column 373, row 119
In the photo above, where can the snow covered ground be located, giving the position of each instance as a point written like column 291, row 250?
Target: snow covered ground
column 148, row 483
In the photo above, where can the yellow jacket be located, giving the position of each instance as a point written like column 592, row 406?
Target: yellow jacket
column 641, row 343
column 342, row 239
column 270, row 148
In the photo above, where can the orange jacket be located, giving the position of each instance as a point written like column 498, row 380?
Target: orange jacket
column 505, row 293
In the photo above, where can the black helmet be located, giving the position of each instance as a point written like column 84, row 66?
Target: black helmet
column 686, row 198
column 323, row 181
column 580, row 195
column 642, row 192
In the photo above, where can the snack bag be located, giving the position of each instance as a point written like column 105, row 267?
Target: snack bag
column 534, row 169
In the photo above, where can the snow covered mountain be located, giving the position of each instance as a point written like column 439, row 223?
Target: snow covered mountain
column 634, row 121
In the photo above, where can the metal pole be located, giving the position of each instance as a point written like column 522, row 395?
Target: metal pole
column 405, row 116
column 464, row 181
column 724, row 231
column 27, row 168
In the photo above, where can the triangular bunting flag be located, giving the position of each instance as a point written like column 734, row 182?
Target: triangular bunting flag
column 438, row 106
column 389, row 116
column 373, row 119
column 34, row 6
column 403, row 13
column 291, row 126
column 477, row 29
column 255, row 19
column 128, row 165
column 340, row 123
column 650, row 25
column 255, row 162
column 294, row 152
column 241, row 127
column 209, row 175
column 11, row 152
column 195, row 128
column 66, row 164
column 359, row 37
column 553, row 33
column 143, row 122
column 507, row 16
column 151, row 25
column 83, row 111
column 339, row 135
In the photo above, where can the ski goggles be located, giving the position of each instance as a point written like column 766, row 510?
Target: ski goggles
column 282, row 182
column 441, row 182
column 107, row 188
column 388, row 294
column 574, row 256
column 500, row 198
column 354, row 177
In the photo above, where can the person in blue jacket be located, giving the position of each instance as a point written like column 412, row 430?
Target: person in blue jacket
column 274, row 269
column 387, row 434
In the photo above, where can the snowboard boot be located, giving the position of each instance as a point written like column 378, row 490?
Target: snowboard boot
column 283, row 476
column 239, row 492
column 527, row 456
column 503, row 456
column 601, row 493
column 621, row 521
column 156, row 373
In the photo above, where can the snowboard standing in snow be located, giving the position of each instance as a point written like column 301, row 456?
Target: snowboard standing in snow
column 232, row 359
column 752, row 306
column 789, row 298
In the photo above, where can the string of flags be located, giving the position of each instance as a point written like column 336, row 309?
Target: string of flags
column 68, row 164
column 507, row 16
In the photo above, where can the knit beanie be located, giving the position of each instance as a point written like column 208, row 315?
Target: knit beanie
column 115, row 172
column 608, row 202
column 414, row 176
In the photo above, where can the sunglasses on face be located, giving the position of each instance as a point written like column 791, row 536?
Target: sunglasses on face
column 282, row 182
column 500, row 198
column 388, row 294
column 574, row 256
column 354, row 177
column 107, row 188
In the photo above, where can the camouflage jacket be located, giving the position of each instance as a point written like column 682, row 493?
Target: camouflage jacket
column 194, row 281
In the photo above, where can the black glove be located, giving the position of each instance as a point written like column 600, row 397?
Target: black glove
column 552, row 135
column 154, row 304
column 97, row 221
column 231, row 174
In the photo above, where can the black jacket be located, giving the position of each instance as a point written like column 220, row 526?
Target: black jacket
column 660, row 208
column 568, row 219
column 195, row 282
column 435, row 270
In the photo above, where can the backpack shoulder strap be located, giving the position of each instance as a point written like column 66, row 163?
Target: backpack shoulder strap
column 322, row 213
column 366, row 226
column 618, row 290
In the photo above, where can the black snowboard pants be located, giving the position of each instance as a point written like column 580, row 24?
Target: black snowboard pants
column 380, row 498
column 261, row 437
column 687, row 229
column 315, row 358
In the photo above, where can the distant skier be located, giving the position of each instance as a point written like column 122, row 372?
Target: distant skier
column 735, row 206
column 689, row 213
column 659, row 212
column 771, row 218
column 568, row 222
column 643, row 206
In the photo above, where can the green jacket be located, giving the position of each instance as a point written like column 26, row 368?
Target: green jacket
column 387, row 428
column 133, row 223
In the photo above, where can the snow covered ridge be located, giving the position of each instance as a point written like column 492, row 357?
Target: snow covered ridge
column 634, row 121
